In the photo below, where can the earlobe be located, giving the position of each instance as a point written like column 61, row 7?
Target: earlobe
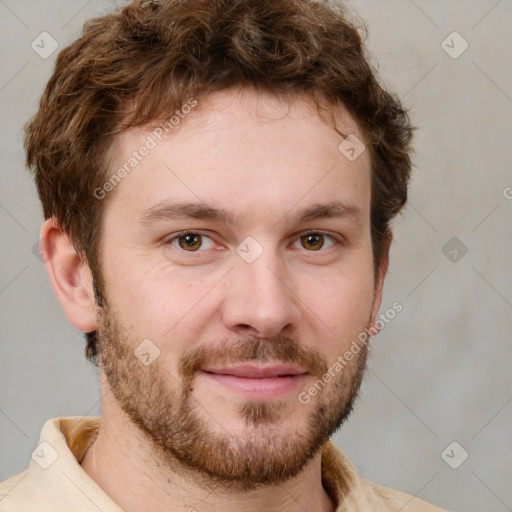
column 70, row 276
column 376, row 325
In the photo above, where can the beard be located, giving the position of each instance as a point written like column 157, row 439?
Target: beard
column 185, row 437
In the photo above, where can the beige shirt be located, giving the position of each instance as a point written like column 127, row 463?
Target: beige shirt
column 55, row 481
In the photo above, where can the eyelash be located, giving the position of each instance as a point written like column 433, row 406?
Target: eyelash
column 337, row 240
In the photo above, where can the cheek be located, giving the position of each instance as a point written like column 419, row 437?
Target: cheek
column 155, row 301
column 339, row 305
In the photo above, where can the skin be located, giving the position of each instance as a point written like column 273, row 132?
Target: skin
column 263, row 159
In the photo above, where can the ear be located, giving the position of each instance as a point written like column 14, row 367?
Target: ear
column 375, row 326
column 70, row 276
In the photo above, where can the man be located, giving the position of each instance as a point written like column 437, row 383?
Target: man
column 217, row 180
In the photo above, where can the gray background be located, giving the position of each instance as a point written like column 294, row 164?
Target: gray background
column 440, row 371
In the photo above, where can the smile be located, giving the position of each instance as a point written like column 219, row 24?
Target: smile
column 258, row 382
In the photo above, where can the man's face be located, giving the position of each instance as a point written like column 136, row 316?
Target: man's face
column 243, row 313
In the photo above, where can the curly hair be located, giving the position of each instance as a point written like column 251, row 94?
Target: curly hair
column 138, row 65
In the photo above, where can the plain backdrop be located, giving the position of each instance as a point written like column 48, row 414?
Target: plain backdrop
column 440, row 371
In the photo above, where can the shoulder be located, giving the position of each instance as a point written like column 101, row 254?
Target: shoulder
column 344, row 485
column 8, row 500
column 393, row 500
column 54, row 479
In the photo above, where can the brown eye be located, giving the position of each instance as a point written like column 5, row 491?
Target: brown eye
column 313, row 242
column 190, row 241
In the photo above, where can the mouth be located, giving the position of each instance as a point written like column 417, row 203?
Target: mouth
column 258, row 381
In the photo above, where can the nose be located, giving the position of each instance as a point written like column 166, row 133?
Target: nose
column 259, row 298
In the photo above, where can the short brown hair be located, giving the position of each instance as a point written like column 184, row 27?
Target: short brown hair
column 138, row 65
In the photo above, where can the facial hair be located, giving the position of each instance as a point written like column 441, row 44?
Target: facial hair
column 184, row 435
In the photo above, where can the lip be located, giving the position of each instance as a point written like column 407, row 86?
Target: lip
column 253, row 371
column 258, row 382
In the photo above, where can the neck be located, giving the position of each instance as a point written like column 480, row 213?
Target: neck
column 122, row 462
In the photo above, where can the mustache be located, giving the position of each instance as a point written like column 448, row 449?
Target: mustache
column 281, row 349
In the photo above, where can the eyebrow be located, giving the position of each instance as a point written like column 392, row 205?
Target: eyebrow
column 203, row 211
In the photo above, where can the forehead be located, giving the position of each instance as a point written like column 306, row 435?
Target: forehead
column 244, row 148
